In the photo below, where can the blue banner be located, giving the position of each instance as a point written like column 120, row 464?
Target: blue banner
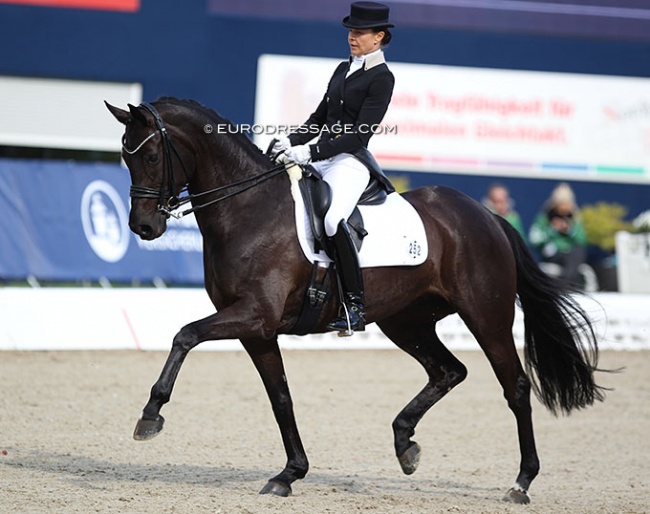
column 65, row 221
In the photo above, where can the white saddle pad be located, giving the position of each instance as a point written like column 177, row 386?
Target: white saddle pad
column 396, row 235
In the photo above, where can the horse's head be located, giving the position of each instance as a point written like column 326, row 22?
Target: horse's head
column 157, row 173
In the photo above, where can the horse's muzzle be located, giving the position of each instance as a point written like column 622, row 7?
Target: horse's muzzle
column 148, row 228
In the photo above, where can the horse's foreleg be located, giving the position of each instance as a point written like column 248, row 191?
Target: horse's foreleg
column 268, row 361
column 416, row 336
column 231, row 323
column 151, row 422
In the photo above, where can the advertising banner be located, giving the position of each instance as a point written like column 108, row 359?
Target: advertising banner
column 45, row 113
column 482, row 121
column 69, row 222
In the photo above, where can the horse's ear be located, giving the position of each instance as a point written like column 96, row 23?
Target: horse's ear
column 120, row 114
column 137, row 114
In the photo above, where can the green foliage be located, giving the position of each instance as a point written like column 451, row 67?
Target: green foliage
column 602, row 221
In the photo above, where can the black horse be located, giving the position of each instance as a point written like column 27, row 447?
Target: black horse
column 256, row 276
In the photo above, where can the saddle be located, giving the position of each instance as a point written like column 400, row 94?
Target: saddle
column 317, row 196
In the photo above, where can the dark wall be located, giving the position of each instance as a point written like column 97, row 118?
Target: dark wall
column 179, row 49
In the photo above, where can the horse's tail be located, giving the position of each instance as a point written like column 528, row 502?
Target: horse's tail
column 560, row 348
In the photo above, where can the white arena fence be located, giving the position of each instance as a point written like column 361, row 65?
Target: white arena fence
column 148, row 319
column 633, row 256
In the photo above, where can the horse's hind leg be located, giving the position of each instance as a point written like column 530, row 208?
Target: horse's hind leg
column 415, row 334
column 499, row 347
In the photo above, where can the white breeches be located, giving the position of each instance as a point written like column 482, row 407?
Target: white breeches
column 348, row 178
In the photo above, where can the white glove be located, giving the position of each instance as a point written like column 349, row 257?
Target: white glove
column 300, row 154
column 282, row 144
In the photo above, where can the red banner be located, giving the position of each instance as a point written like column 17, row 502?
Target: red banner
column 105, row 5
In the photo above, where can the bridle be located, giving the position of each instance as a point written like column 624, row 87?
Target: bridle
column 168, row 202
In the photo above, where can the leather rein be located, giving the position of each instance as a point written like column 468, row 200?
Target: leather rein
column 168, row 202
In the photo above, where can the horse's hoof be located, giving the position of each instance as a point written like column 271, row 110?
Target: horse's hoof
column 410, row 459
column 277, row 488
column 517, row 495
column 146, row 429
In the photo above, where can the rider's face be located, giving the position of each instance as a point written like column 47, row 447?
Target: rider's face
column 364, row 41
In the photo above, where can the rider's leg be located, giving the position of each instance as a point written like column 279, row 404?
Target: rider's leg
column 347, row 266
column 347, row 178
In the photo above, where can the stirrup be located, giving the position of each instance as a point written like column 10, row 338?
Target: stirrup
column 346, row 324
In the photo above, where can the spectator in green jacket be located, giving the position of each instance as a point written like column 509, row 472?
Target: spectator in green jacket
column 558, row 233
column 499, row 202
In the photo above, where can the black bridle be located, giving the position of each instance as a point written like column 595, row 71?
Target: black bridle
column 168, row 202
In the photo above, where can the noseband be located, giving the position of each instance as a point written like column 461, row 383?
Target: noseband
column 168, row 202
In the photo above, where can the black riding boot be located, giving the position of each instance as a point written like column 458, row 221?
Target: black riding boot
column 349, row 272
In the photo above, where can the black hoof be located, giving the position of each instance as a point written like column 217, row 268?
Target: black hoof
column 277, row 488
column 146, row 429
column 410, row 459
column 517, row 495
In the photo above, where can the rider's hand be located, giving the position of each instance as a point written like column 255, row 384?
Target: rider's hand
column 300, row 154
column 282, row 144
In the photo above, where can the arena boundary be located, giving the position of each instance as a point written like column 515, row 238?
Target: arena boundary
column 147, row 319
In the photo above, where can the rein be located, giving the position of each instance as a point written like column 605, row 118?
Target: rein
column 168, row 202
column 248, row 183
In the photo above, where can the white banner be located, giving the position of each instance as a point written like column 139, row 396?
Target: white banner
column 471, row 120
column 56, row 113
column 148, row 319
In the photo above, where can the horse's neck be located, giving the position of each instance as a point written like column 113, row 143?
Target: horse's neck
column 251, row 210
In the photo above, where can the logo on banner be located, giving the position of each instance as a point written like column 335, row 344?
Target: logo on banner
column 105, row 221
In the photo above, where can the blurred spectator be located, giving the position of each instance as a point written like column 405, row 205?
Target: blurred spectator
column 558, row 234
column 499, row 202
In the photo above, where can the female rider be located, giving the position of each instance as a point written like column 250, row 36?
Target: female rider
column 354, row 104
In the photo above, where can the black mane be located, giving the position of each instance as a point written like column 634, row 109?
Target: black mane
column 233, row 135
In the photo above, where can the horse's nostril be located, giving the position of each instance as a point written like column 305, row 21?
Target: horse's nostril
column 145, row 230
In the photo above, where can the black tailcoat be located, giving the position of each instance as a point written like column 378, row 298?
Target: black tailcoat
column 349, row 110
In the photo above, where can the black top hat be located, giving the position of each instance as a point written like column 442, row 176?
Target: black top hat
column 367, row 15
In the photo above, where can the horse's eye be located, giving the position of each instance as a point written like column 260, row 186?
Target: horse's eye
column 153, row 158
